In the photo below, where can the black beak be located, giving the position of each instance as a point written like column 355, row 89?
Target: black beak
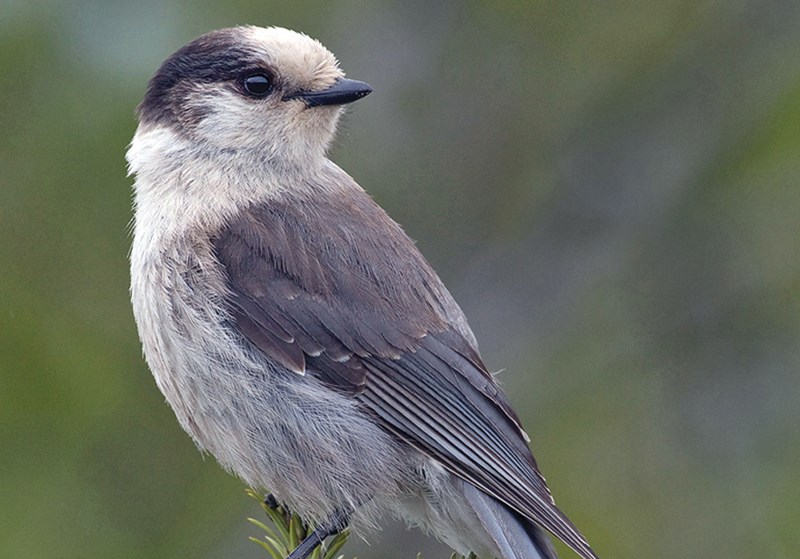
column 340, row 93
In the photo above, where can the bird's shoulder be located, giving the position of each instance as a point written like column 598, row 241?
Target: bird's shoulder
column 326, row 254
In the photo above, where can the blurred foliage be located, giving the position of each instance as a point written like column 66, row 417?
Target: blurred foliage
column 610, row 190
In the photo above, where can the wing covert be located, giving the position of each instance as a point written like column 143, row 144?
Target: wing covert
column 311, row 301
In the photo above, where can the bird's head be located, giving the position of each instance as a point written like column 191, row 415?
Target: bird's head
column 266, row 90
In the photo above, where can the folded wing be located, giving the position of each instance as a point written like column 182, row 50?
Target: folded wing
column 356, row 305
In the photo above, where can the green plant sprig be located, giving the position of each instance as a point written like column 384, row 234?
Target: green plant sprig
column 285, row 530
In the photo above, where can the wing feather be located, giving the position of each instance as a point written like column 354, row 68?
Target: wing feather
column 377, row 330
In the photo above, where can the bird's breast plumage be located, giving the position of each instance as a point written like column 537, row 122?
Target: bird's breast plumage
column 259, row 419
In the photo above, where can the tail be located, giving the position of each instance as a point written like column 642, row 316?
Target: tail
column 514, row 537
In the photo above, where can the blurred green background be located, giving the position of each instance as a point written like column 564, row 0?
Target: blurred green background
column 610, row 189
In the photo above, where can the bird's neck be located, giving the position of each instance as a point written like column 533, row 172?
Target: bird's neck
column 183, row 186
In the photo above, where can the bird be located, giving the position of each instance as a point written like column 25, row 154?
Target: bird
column 295, row 329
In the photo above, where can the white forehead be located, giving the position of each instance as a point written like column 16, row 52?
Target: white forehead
column 294, row 54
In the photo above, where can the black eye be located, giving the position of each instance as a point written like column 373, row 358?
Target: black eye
column 257, row 85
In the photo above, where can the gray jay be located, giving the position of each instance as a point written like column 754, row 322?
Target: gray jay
column 293, row 327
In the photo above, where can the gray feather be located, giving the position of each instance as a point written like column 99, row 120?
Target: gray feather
column 513, row 537
column 296, row 331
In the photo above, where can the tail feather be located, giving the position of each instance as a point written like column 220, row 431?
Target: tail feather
column 514, row 537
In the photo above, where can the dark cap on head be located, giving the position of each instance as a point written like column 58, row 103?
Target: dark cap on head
column 255, row 65
column 218, row 56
